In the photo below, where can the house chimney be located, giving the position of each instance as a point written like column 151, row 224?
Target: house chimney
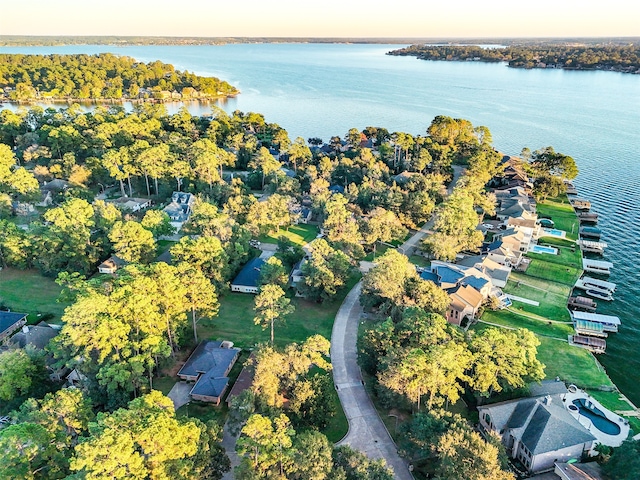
column 547, row 400
column 25, row 329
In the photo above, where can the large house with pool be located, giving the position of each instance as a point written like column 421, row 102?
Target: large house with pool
column 538, row 431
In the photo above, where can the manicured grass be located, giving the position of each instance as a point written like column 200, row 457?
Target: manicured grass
column 300, row 234
column 553, row 271
column 235, row 320
column 510, row 319
column 574, row 365
column 562, row 213
column 338, row 426
column 552, row 305
column 566, row 256
column 420, row 261
column 29, row 292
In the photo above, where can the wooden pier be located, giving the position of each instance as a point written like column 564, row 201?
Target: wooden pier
column 582, row 303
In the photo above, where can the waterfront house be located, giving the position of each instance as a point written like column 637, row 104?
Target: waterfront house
column 537, row 432
column 11, row 322
column 465, row 302
column 208, row 366
column 498, row 274
column 248, row 278
column 503, row 254
column 578, row 471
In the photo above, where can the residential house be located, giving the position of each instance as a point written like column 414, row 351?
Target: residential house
column 208, row 366
column 111, row 264
column 497, row 273
column 55, row 186
column 465, row 303
column 38, row 337
column 131, row 204
column 404, row 177
column 513, row 175
column 296, row 277
column 503, row 254
column 11, row 322
column 179, row 209
column 538, row 432
column 515, row 239
column 467, row 287
column 514, row 202
column 247, row 281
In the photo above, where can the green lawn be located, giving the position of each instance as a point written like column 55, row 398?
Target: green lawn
column 572, row 364
column 420, row 261
column 300, row 234
column 29, row 292
column 554, row 272
column 566, row 256
column 164, row 384
column 380, row 250
column 562, row 213
column 512, row 319
column 553, row 302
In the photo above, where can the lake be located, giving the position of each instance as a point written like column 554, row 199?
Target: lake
column 321, row 90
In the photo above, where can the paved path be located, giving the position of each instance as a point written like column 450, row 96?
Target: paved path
column 179, row 394
column 366, row 433
column 229, row 445
column 523, row 300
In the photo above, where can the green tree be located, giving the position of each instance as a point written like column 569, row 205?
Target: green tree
column 548, row 161
column 27, row 451
column 273, row 272
column 381, row 226
column 341, row 227
column 201, row 295
column 325, row 272
column 271, row 305
column 158, row 223
column 132, row 242
column 265, row 163
column 504, row 359
column 624, row 462
column 206, row 254
column 17, row 372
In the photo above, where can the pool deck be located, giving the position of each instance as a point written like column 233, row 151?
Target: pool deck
column 605, row 439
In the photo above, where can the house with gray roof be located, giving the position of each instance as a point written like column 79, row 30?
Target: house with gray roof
column 538, row 431
column 248, row 279
column 179, row 209
column 10, row 322
column 208, row 366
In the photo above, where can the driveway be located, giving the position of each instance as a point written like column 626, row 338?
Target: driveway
column 366, row 433
column 179, row 394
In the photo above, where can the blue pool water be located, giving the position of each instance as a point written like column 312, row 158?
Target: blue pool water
column 543, row 249
column 555, row 232
column 598, row 419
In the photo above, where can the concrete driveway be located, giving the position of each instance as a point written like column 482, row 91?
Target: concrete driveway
column 179, row 394
column 366, row 433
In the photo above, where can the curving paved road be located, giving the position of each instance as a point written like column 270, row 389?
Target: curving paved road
column 366, row 433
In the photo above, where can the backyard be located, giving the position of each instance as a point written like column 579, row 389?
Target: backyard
column 300, row 234
column 29, row 292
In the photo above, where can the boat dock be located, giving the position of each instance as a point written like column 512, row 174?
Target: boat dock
column 596, row 266
column 580, row 204
column 595, row 345
column 590, row 246
column 590, row 329
column 590, row 232
column 571, row 189
column 610, row 323
column 596, row 288
column 582, row 303
column 588, row 217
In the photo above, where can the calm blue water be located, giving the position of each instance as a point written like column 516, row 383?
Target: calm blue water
column 324, row 90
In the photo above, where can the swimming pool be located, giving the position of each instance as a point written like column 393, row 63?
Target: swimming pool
column 543, row 249
column 597, row 417
column 554, row 232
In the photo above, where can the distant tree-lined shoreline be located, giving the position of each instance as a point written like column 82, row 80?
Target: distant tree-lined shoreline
column 617, row 58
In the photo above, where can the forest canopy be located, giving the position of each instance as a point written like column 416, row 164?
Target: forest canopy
column 103, row 76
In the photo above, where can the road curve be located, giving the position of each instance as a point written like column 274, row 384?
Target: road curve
column 366, row 433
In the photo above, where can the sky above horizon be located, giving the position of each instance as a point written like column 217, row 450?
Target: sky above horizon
column 330, row 18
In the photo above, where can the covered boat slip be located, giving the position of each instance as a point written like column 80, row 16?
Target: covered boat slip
column 596, row 345
column 590, row 246
column 596, row 266
column 580, row 203
column 586, row 303
column 590, row 232
column 588, row 217
column 591, row 329
column 589, row 283
column 610, row 323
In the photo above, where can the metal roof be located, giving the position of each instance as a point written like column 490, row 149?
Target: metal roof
column 596, row 317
